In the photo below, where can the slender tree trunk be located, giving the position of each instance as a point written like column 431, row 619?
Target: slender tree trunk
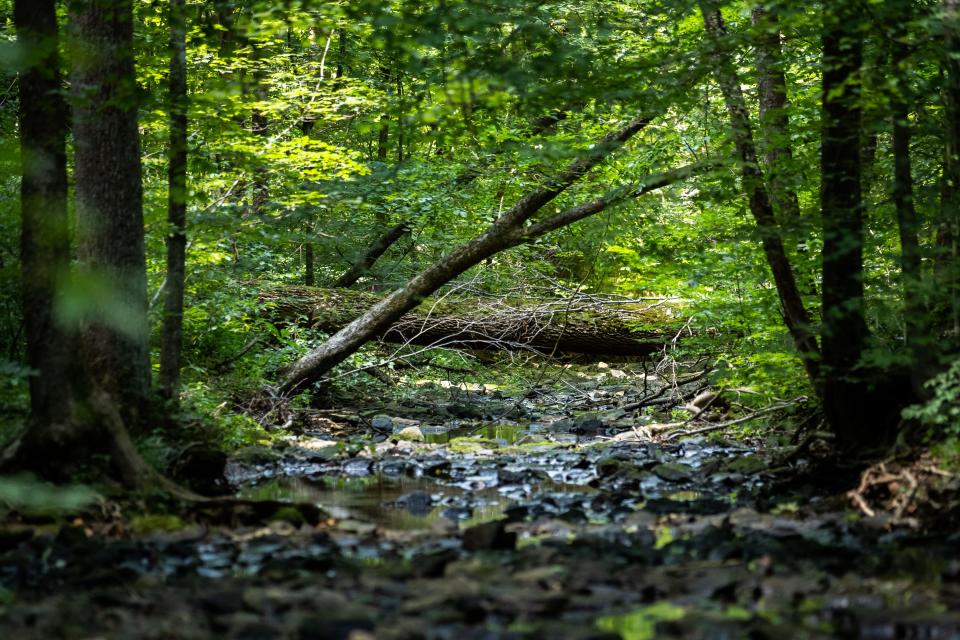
column 794, row 313
column 915, row 313
column 949, row 232
column 44, row 242
column 109, row 199
column 259, row 124
column 844, row 332
column 362, row 266
column 172, row 342
column 774, row 117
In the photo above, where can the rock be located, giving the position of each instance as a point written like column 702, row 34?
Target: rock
column 417, row 503
column 489, row 536
column 588, row 424
column 410, row 434
column 746, row 465
column 382, row 422
column 465, row 411
column 256, row 454
column 673, row 471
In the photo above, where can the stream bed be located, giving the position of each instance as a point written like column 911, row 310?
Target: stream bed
column 499, row 517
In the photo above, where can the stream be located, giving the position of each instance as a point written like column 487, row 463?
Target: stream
column 491, row 514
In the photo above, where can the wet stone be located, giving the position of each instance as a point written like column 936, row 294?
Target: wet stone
column 673, row 471
column 382, row 422
column 489, row 536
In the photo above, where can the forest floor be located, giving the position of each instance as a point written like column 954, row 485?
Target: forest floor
column 551, row 511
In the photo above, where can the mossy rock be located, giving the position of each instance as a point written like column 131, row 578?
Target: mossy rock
column 471, row 445
column 156, row 523
column 410, row 434
column 256, row 454
column 747, row 465
column 290, row 515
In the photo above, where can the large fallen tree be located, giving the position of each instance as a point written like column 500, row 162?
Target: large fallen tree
column 581, row 324
column 516, row 226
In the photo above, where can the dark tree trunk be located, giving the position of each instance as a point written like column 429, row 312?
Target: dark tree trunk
column 109, row 199
column 176, row 205
column 69, row 418
column 915, row 312
column 949, row 232
column 794, row 313
column 44, row 242
column 844, row 332
column 774, row 117
column 363, row 265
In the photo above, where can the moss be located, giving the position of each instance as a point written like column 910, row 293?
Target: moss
column 156, row 523
column 471, row 445
column 290, row 515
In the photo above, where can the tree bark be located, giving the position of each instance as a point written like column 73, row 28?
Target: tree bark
column 795, row 314
column 44, row 241
column 363, row 264
column 844, row 332
column 550, row 327
column 172, row 339
column 915, row 312
column 109, row 199
column 774, row 115
column 507, row 231
column 949, row 232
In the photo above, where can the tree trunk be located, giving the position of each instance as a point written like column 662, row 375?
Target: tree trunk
column 172, row 341
column 507, row 231
column 560, row 326
column 915, row 312
column 949, row 232
column 109, row 200
column 309, row 269
column 363, row 264
column 259, row 124
column 794, row 313
column 44, row 242
column 844, row 331
column 69, row 418
column 774, row 117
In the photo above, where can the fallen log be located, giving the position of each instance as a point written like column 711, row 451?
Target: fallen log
column 581, row 325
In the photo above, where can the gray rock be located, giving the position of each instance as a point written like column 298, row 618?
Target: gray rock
column 382, row 422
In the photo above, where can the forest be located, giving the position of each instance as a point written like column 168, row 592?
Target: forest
column 581, row 319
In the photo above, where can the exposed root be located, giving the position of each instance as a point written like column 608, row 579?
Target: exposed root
column 911, row 493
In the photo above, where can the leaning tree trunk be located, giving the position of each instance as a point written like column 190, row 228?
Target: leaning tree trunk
column 109, row 200
column 366, row 261
column 579, row 325
column 172, row 342
column 795, row 314
column 501, row 235
column 508, row 231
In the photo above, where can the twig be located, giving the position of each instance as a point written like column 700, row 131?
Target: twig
column 730, row 423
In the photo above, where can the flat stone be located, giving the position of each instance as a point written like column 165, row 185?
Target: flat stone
column 673, row 471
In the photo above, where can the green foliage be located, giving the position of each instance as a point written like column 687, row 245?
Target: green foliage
column 942, row 411
column 28, row 495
